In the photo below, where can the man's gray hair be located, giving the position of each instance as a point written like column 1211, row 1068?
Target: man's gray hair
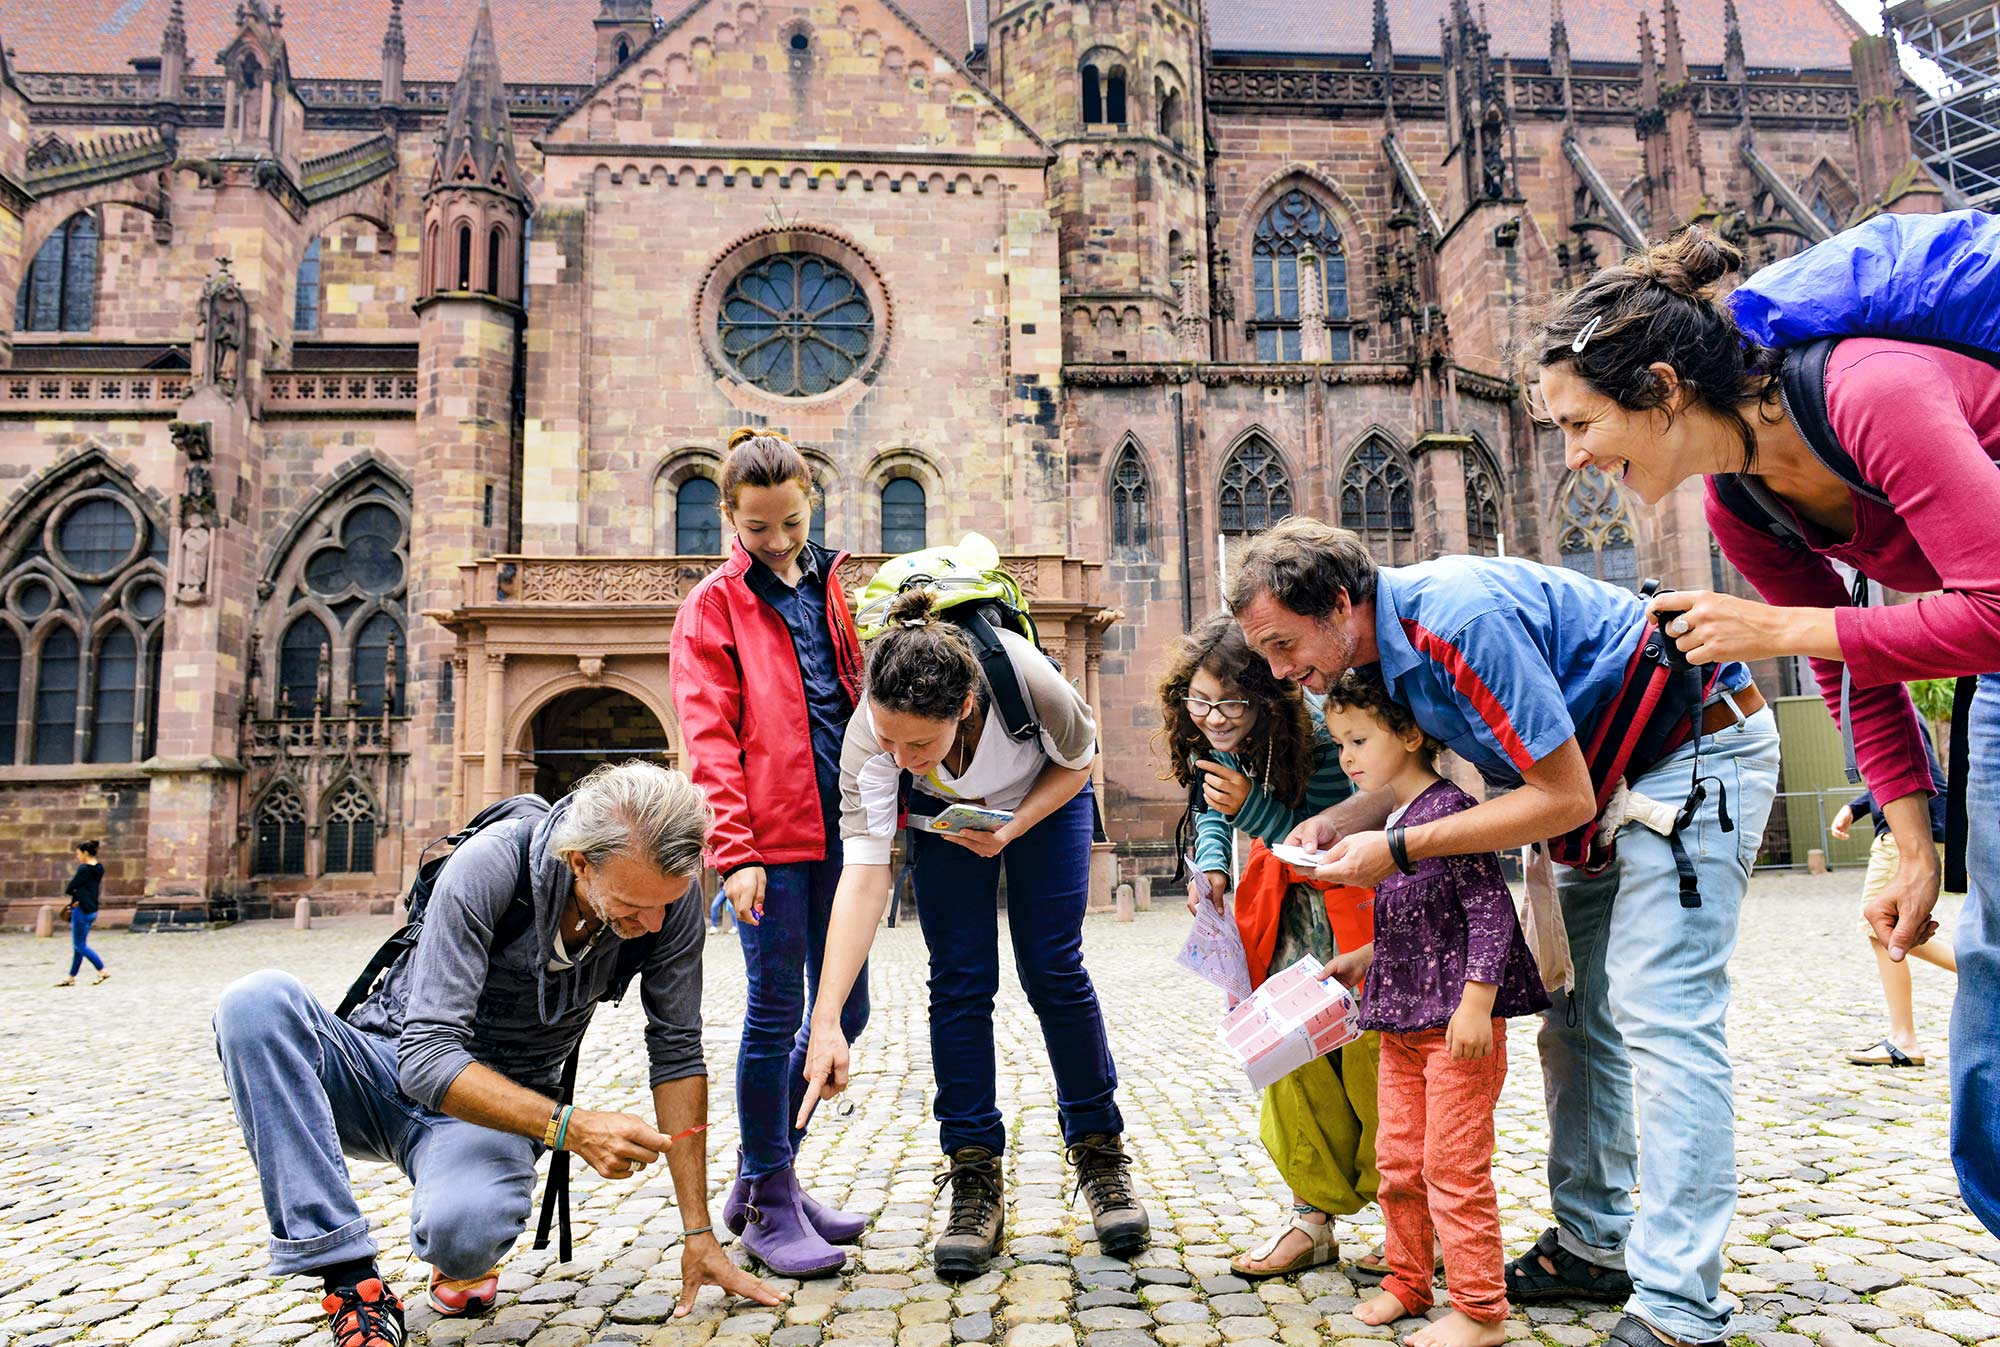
column 636, row 809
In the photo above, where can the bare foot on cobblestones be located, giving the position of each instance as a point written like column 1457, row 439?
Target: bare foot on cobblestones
column 1458, row 1330
column 1381, row 1308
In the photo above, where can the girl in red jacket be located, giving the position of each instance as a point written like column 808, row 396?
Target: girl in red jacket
column 766, row 669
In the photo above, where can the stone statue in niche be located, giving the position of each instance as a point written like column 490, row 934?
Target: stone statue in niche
column 191, row 584
column 222, row 328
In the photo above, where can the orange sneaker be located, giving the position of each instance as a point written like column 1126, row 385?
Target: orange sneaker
column 468, row 1296
column 364, row 1316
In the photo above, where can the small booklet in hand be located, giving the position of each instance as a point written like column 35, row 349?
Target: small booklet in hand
column 959, row 818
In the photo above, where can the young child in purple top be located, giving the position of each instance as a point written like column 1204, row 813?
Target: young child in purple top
column 1447, row 969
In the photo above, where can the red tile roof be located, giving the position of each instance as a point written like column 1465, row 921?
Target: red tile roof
column 551, row 41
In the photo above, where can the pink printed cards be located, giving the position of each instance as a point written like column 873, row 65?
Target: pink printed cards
column 1291, row 1019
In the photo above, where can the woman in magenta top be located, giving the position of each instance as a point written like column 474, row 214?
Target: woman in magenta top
column 1650, row 381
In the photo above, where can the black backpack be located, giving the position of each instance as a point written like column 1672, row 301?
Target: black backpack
column 519, row 814
column 1802, row 386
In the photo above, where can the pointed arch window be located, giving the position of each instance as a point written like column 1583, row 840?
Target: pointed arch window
column 305, row 292
column 1482, row 505
column 496, row 247
column 1594, row 529
column 1256, row 489
column 379, row 657
column 280, row 827
column 59, row 293
column 1377, row 501
column 298, row 666
column 464, row 257
column 698, row 518
column 60, row 670
column 1130, row 503
column 1296, row 223
column 905, row 527
column 350, row 832
column 83, row 593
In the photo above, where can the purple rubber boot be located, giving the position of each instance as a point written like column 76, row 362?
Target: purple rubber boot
column 834, row 1226
column 777, row 1233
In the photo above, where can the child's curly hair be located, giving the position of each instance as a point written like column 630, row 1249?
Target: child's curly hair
column 1366, row 692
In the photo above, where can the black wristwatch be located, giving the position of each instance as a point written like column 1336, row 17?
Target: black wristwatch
column 1399, row 851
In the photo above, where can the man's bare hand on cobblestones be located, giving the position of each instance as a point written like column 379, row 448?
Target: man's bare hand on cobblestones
column 703, row 1263
column 616, row 1145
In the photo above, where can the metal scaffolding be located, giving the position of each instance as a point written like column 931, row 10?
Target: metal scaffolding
column 1956, row 130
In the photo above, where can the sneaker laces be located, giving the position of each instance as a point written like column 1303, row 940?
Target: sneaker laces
column 360, row 1320
column 975, row 1193
column 1100, row 1167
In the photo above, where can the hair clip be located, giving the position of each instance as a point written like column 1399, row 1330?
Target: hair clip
column 916, row 622
column 1583, row 337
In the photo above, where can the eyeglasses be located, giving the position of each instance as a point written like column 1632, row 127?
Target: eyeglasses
column 1199, row 707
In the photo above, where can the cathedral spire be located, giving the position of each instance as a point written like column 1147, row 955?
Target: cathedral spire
column 1384, row 50
column 393, row 51
column 1670, row 37
column 477, row 147
column 1734, row 66
column 1649, row 66
column 173, row 55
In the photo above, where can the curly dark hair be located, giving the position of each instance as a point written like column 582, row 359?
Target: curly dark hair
column 1661, row 306
column 921, row 664
column 1365, row 691
column 1278, row 751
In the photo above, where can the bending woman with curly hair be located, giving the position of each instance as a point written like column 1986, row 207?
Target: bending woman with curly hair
column 1253, row 756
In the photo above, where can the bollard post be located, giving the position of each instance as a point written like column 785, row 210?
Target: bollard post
column 45, row 921
column 302, row 915
column 1125, row 902
column 1816, row 862
column 1142, row 893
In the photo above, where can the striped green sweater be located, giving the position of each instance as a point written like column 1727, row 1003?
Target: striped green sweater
column 1262, row 816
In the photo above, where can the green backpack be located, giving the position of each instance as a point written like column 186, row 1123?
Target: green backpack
column 976, row 594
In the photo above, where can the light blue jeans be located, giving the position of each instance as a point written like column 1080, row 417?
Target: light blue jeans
column 309, row 1090
column 1975, row 1015
column 1652, row 993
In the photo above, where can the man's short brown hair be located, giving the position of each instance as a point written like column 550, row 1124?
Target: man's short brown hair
column 1305, row 565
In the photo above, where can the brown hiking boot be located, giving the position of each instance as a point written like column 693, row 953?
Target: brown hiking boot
column 1122, row 1226
column 972, row 1237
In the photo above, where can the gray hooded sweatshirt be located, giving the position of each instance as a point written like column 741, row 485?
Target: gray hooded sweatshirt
column 448, row 1004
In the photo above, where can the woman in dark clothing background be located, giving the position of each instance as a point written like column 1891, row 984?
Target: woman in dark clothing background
column 83, row 889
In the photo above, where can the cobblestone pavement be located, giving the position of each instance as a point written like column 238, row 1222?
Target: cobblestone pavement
column 129, row 1212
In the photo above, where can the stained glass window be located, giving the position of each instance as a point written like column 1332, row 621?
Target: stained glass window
column 1375, row 501
column 1256, row 490
column 1294, row 225
column 1594, row 532
column 59, row 293
column 697, row 518
column 796, row 324
column 350, row 832
column 904, row 527
column 281, row 833
column 1129, row 490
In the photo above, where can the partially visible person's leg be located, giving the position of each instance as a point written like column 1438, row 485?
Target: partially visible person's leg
column 1459, row 1099
column 957, row 909
column 1975, row 1040
column 774, row 966
column 80, row 923
column 1667, row 969
column 822, row 881
column 307, row 1087
column 475, row 1189
column 1883, row 858
column 1403, row 1197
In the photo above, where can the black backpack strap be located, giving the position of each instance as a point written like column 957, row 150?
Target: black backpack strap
column 1001, row 677
column 1959, row 753
column 1739, row 500
column 384, row 958
column 1802, row 380
column 555, row 1197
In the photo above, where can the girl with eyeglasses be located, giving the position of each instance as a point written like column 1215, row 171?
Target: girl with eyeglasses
column 1254, row 758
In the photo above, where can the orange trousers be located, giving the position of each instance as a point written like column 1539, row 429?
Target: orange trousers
column 1435, row 1152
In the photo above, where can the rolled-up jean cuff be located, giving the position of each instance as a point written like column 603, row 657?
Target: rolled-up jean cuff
column 1681, row 1332
column 292, row 1256
column 1576, row 1248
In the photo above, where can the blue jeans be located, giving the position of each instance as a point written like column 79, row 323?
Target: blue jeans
column 1048, row 887
column 80, row 923
column 310, row 1089
column 781, row 960
column 1652, row 993
column 1975, row 1015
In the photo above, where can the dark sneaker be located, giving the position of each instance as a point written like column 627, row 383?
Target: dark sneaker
column 972, row 1237
column 1100, row 1162
column 364, row 1316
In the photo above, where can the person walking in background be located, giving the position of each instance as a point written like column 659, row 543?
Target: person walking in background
column 1900, row 1048
column 1252, row 756
column 83, row 890
column 767, row 668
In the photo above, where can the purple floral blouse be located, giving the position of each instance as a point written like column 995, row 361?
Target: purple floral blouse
column 1450, row 923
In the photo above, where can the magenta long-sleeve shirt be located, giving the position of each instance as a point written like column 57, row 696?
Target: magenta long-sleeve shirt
column 1923, row 427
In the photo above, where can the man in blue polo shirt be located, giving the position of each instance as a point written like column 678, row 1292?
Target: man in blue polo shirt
column 1513, row 665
